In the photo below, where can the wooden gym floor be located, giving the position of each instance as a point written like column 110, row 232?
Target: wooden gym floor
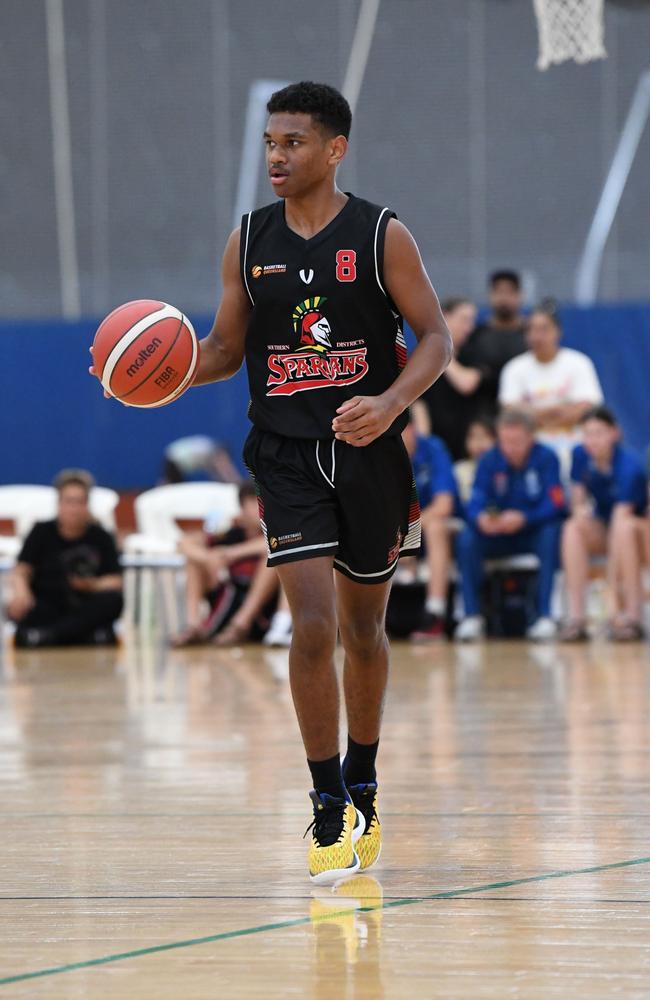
column 152, row 806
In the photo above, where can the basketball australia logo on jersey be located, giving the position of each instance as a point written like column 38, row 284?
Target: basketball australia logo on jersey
column 314, row 363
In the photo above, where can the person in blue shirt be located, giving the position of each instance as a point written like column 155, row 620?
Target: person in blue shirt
column 608, row 504
column 517, row 506
column 434, row 478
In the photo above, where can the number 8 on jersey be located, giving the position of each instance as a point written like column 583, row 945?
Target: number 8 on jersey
column 346, row 265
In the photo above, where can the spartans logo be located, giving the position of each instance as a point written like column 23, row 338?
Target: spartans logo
column 315, row 363
column 312, row 325
column 394, row 550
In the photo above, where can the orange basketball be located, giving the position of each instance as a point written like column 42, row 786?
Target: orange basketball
column 146, row 353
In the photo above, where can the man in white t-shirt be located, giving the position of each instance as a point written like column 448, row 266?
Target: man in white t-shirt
column 555, row 385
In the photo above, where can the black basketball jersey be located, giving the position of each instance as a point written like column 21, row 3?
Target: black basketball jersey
column 322, row 328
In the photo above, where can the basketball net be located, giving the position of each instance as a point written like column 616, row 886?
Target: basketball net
column 569, row 29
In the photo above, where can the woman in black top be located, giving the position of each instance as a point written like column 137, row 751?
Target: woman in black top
column 67, row 583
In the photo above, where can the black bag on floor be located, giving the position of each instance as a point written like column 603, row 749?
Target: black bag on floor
column 405, row 607
column 509, row 602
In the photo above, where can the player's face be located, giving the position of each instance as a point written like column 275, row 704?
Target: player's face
column 299, row 154
column 461, row 321
column 543, row 335
column 73, row 512
column 599, row 439
column 515, row 444
column 505, row 300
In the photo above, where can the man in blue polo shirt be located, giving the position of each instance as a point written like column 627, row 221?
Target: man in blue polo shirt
column 608, row 503
column 516, row 507
column 434, row 478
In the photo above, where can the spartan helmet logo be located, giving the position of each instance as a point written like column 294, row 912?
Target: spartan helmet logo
column 312, row 326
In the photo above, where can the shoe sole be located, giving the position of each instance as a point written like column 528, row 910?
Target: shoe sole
column 333, row 874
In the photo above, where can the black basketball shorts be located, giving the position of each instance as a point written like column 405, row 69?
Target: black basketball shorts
column 320, row 498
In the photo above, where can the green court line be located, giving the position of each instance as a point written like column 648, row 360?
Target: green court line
column 269, row 813
column 303, row 921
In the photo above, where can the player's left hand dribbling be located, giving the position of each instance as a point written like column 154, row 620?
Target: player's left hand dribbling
column 362, row 419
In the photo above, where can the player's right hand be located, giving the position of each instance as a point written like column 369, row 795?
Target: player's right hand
column 93, row 371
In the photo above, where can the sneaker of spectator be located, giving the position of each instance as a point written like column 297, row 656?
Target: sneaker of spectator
column 543, row 630
column 280, row 630
column 470, row 629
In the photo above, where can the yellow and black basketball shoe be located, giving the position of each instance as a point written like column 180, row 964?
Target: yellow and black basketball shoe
column 368, row 845
column 335, row 830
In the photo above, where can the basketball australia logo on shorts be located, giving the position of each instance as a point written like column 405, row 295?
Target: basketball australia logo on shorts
column 314, row 364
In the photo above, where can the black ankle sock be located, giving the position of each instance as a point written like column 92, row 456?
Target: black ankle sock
column 326, row 776
column 359, row 763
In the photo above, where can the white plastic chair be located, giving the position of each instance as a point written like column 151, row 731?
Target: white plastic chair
column 156, row 540
column 24, row 506
column 158, row 510
column 27, row 504
column 102, row 506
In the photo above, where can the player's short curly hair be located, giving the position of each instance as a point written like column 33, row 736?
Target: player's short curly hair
column 324, row 103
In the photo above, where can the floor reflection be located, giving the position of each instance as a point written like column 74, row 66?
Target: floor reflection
column 346, row 925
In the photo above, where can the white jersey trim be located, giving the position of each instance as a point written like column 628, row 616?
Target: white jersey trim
column 303, row 548
column 381, row 215
column 382, row 572
column 248, row 229
column 330, row 482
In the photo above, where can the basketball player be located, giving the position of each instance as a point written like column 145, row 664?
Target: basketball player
column 314, row 290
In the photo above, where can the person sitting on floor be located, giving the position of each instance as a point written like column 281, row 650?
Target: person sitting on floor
column 230, row 572
column 67, row 582
column 434, row 479
column 608, row 502
column 516, row 507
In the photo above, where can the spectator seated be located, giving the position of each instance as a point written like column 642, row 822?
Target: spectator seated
column 608, row 504
column 554, row 385
column 67, row 583
column 516, row 507
column 479, row 439
column 438, row 496
column 229, row 571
